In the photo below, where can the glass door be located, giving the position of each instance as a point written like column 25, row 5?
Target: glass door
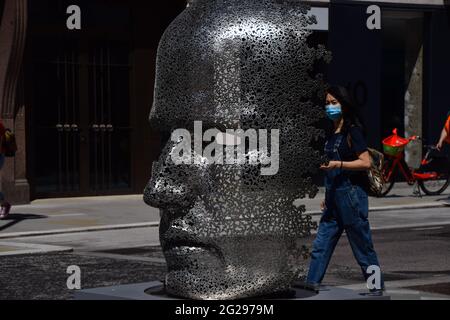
column 56, row 133
column 109, row 117
column 81, row 128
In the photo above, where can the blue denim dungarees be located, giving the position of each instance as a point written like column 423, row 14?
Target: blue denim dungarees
column 347, row 209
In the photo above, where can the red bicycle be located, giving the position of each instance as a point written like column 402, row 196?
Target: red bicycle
column 433, row 175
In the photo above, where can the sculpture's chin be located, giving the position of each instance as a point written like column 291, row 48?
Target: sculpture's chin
column 184, row 259
column 232, row 268
column 218, row 285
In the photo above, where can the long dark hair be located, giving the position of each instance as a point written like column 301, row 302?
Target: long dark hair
column 349, row 111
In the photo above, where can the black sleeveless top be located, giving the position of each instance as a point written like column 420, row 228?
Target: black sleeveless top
column 349, row 153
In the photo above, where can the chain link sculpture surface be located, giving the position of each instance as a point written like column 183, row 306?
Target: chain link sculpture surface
column 227, row 231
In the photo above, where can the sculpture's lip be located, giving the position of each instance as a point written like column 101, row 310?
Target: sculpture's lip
column 189, row 246
column 187, row 243
column 183, row 243
column 180, row 237
column 174, row 238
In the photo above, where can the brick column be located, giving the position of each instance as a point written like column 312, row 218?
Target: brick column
column 13, row 181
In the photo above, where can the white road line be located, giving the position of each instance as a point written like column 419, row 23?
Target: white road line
column 120, row 256
column 66, row 215
column 426, row 229
column 412, row 225
column 78, row 230
column 31, row 248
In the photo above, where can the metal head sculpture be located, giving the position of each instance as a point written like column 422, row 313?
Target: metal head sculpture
column 229, row 229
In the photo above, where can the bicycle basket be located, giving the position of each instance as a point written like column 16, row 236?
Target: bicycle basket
column 394, row 144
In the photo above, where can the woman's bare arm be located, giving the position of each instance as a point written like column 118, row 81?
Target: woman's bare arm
column 361, row 164
column 442, row 139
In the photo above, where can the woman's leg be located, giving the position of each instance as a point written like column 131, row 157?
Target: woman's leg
column 355, row 209
column 2, row 162
column 326, row 239
column 5, row 207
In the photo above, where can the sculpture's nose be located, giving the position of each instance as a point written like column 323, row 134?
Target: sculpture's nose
column 166, row 191
column 170, row 185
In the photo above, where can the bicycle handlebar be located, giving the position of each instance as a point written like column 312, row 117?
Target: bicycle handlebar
column 414, row 138
column 430, row 147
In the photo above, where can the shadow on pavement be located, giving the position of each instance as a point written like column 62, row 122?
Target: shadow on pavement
column 15, row 218
column 394, row 196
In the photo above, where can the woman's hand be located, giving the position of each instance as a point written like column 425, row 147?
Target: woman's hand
column 331, row 166
column 323, row 206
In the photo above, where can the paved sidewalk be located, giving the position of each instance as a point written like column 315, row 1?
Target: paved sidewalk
column 53, row 216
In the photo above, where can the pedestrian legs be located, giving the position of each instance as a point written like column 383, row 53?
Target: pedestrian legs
column 327, row 237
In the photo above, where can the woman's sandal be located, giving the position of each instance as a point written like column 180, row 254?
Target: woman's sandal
column 4, row 212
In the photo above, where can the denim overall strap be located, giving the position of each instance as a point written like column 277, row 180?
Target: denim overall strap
column 333, row 177
column 337, row 144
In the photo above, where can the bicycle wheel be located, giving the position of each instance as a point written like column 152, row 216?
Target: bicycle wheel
column 436, row 186
column 389, row 180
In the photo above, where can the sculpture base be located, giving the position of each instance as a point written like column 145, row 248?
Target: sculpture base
column 155, row 291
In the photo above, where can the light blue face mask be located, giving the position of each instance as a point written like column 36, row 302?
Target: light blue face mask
column 334, row 112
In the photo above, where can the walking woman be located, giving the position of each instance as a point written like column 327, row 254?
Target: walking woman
column 5, row 206
column 345, row 207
